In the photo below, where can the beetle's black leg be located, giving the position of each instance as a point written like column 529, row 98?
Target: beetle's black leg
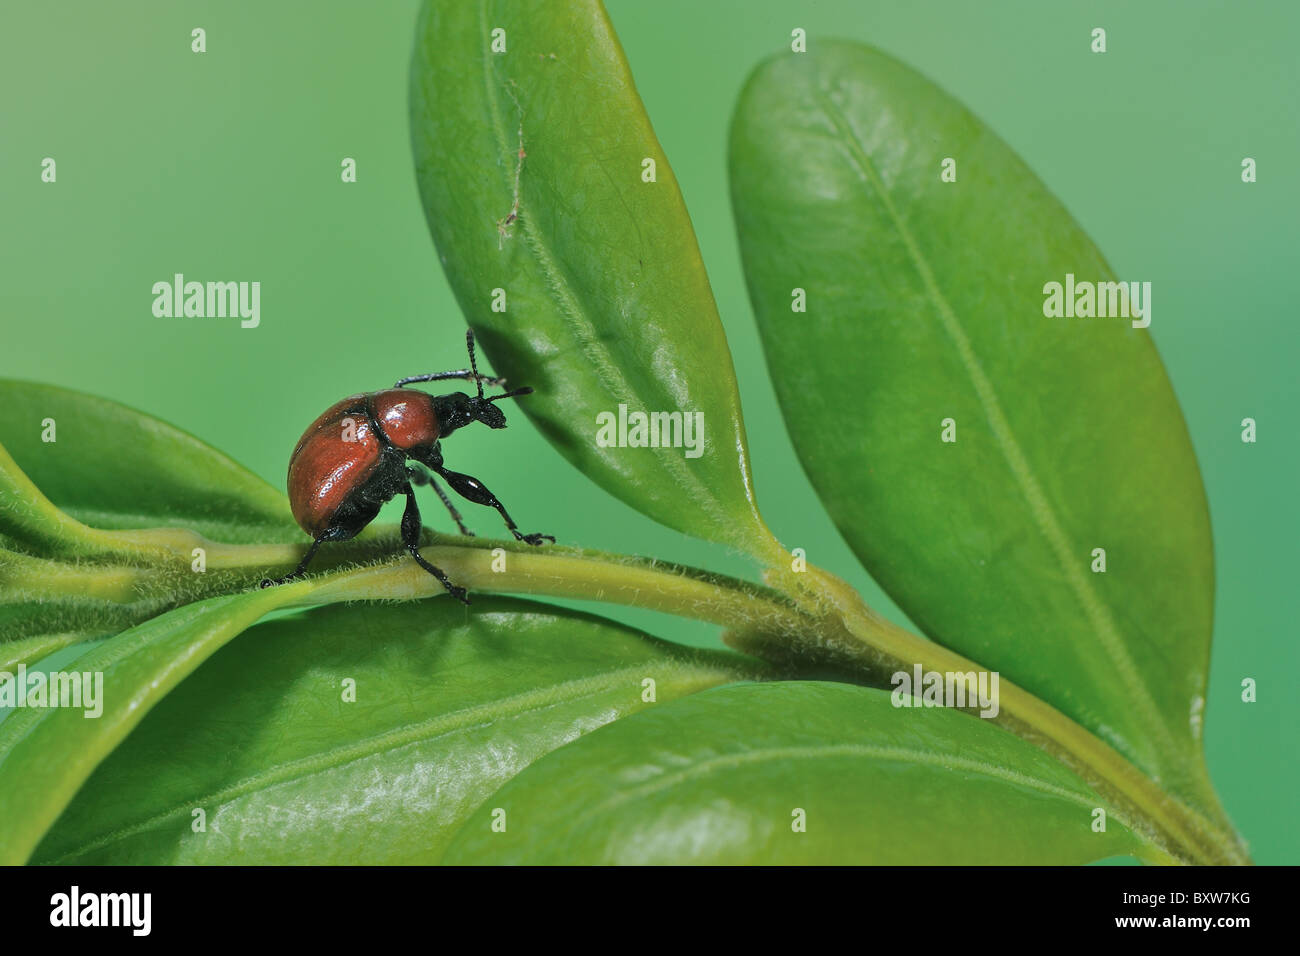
column 421, row 477
column 463, row 373
column 411, row 538
column 471, row 489
column 299, row 570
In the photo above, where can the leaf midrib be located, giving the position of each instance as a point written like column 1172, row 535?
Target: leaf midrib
column 534, row 700
column 1098, row 613
column 704, row 768
column 607, row 370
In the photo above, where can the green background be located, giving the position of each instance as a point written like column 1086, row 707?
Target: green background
column 225, row 166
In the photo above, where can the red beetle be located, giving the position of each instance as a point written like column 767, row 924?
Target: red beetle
column 354, row 459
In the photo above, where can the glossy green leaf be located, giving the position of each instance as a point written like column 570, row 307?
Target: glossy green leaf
column 47, row 752
column 729, row 775
column 925, row 302
column 98, row 527
column 606, row 301
column 448, row 706
column 112, row 467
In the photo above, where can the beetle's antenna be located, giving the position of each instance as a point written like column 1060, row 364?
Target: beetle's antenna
column 513, row 393
column 463, row 373
column 469, row 344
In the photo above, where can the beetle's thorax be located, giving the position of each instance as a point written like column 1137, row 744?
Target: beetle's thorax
column 406, row 418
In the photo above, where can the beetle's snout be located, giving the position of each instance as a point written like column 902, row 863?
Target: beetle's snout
column 489, row 414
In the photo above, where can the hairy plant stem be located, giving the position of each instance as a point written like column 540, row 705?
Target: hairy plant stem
column 1175, row 831
column 790, row 623
column 801, row 621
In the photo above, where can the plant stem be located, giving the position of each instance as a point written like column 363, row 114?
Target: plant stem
column 829, row 615
column 805, row 618
column 587, row 575
column 1176, row 830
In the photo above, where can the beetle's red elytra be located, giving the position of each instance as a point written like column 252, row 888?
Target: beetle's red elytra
column 358, row 455
column 342, row 448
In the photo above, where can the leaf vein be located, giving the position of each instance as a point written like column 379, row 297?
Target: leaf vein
column 443, row 725
column 607, row 370
column 1098, row 614
column 829, row 751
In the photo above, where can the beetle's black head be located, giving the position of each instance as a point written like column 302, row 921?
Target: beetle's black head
column 458, row 409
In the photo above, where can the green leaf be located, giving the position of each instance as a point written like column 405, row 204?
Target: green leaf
column 719, row 778
column 448, row 706
column 607, row 301
column 98, row 527
column 112, row 467
column 925, row 302
column 46, row 753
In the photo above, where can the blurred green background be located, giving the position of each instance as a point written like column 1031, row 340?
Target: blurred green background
column 225, row 166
